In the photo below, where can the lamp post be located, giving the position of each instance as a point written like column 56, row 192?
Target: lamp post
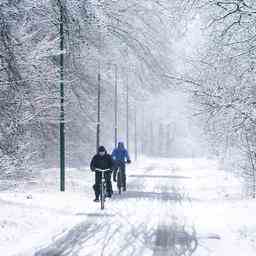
column 143, row 134
column 135, row 134
column 98, row 113
column 116, row 102
column 62, row 113
column 99, row 95
column 127, row 113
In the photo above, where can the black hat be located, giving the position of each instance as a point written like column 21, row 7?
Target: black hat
column 101, row 149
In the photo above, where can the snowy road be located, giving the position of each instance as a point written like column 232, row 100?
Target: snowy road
column 157, row 216
column 139, row 222
column 172, row 207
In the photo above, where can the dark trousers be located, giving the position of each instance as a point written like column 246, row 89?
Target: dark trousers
column 96, row 186
column 122, row 169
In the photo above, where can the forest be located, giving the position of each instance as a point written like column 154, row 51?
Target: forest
column 199, row 52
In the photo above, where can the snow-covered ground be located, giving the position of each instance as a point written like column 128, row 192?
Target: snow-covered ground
column 170, row 206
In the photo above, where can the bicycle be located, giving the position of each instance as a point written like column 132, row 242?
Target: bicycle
column 102, row 186
column 119, row 176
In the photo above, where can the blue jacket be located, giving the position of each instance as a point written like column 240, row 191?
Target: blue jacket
column 120, row 153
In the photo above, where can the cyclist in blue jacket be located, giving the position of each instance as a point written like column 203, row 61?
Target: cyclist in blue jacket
column 120, row 156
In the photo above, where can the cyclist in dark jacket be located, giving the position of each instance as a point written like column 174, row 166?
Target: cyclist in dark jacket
column 120, row 156
column 102, row 160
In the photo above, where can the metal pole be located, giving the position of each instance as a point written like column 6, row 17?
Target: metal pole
column 135, row 134
column 62, row 117
column 115, row 105
column 99, row 93
column 143, row 134
column 98, row 117
column 151, row 139
column 127, row 113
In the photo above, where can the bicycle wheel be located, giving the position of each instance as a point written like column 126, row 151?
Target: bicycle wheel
column 102, row 194
column 119, row 181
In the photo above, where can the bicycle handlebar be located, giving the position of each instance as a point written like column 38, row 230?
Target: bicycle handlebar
column 102, row 170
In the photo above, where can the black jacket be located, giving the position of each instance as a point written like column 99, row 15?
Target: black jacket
column 102, row 162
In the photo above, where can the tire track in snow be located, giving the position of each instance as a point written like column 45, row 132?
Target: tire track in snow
column 132, row 226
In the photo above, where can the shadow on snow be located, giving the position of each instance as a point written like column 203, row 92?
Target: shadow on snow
column 160, row 176
column 164, row 196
